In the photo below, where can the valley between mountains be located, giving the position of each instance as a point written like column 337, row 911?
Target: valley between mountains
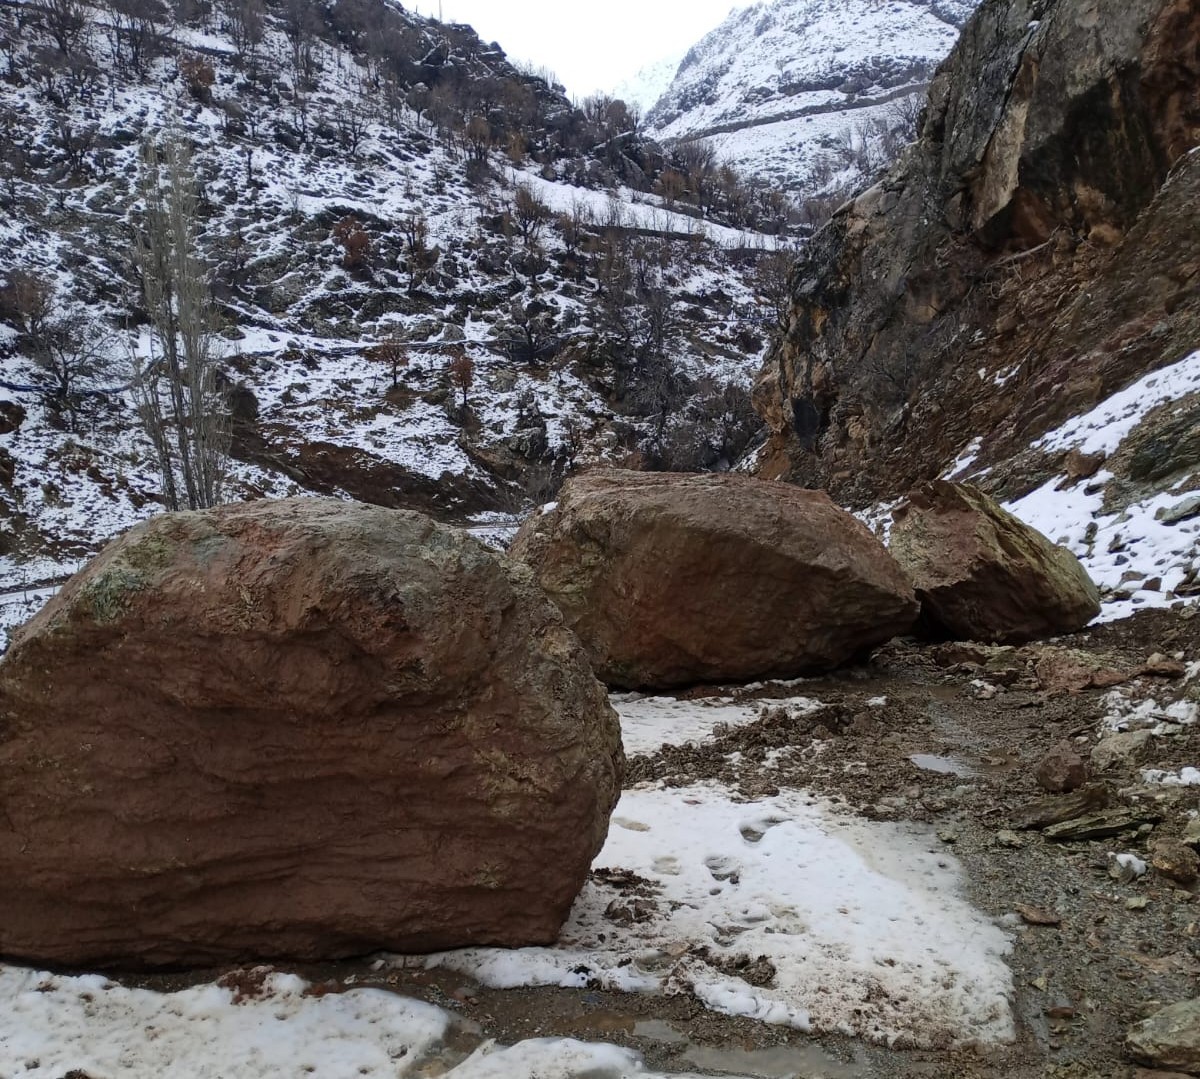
column 698, row 581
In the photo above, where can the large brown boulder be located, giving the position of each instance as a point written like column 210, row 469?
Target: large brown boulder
column 677, row 579
column 983, row 574
column 302, row 729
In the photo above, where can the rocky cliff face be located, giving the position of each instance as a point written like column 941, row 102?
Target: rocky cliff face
column 1036, row 250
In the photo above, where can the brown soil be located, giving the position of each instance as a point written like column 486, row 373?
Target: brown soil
column 1080, row 984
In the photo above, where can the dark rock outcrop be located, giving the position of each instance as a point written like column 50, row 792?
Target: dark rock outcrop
column 302, row 729
column 981, row 574
column 1036, row 250
column 677, row 579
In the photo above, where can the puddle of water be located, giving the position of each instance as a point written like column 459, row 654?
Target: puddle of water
column 659, row 1030
column 777, row 1062
column 948, row 766
column 955, row 765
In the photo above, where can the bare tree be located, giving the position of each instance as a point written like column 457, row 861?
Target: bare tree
column 246, row 22
column 71, row 355
column 67, row 22
column 461, row 369
column 181, row 406
column 392, row 352
column 136, row 31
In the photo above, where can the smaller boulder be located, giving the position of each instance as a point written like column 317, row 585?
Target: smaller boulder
column 1123, row 747
column 1175, row 860
column 1170, row 1038
column 1061, row 770
column 982, row 574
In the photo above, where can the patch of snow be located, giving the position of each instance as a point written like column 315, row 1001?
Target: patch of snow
column 1122, row 713
column 865, row 923
column 1111, row 545
column 965, row 460
column 1130, row 862
column 55, row 1024
column 1185, row 777
column 1102, row 429
column 648, row 723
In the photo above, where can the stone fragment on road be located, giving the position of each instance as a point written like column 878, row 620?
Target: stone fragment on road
column 1061, row 770
column 1170, row 1038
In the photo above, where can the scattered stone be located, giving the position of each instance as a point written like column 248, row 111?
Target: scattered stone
column 1081, row 466
column 1152, row 584
column 1099, row 825
column 12, row 415
column 673, row 579
column 1162, row 666
column 1123, row 747
column 1061, row 770
column 1010, row 839
column 1125, row 868
column 1181, row 511
column 1169, row 1039
column 1050, row 811
column 1038, row 915
column 1069, row 670
column 1191, row 831
column 1138, row 902
column 1174, row 859
column 305, row 729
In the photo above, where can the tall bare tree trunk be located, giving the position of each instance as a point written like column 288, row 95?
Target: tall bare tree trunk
column 180, row 405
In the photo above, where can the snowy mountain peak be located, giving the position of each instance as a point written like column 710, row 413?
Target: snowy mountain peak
column 779, row 86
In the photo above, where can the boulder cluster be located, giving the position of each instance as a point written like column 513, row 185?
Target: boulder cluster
column 310, row 728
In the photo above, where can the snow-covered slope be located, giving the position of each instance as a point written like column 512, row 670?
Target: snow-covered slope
column 646, row 87
column 293, row 135
column 805, row 92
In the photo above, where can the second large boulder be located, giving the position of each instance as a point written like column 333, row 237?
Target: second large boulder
column 672, row 579
column 982, row 574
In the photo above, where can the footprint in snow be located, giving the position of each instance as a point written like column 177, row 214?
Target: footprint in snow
column 753, row 830
column 722, row 868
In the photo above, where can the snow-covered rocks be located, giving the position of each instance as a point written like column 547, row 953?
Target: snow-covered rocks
column 982, row 574
column 675, row 579
column 302, row 728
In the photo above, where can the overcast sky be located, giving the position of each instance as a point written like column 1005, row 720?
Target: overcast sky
column 590, row 44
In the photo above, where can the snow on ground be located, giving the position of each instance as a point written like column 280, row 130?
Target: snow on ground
column 1121, row 551
column 786, row 114
column 1102, row 429
column 1123, row 713
column 1185, row 777
column 54, row 1025
column 864, row 923
column 630, row 209
column 18, row 607
column 648, row 723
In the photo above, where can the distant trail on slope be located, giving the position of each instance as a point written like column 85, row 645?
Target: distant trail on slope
column 799, row 114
